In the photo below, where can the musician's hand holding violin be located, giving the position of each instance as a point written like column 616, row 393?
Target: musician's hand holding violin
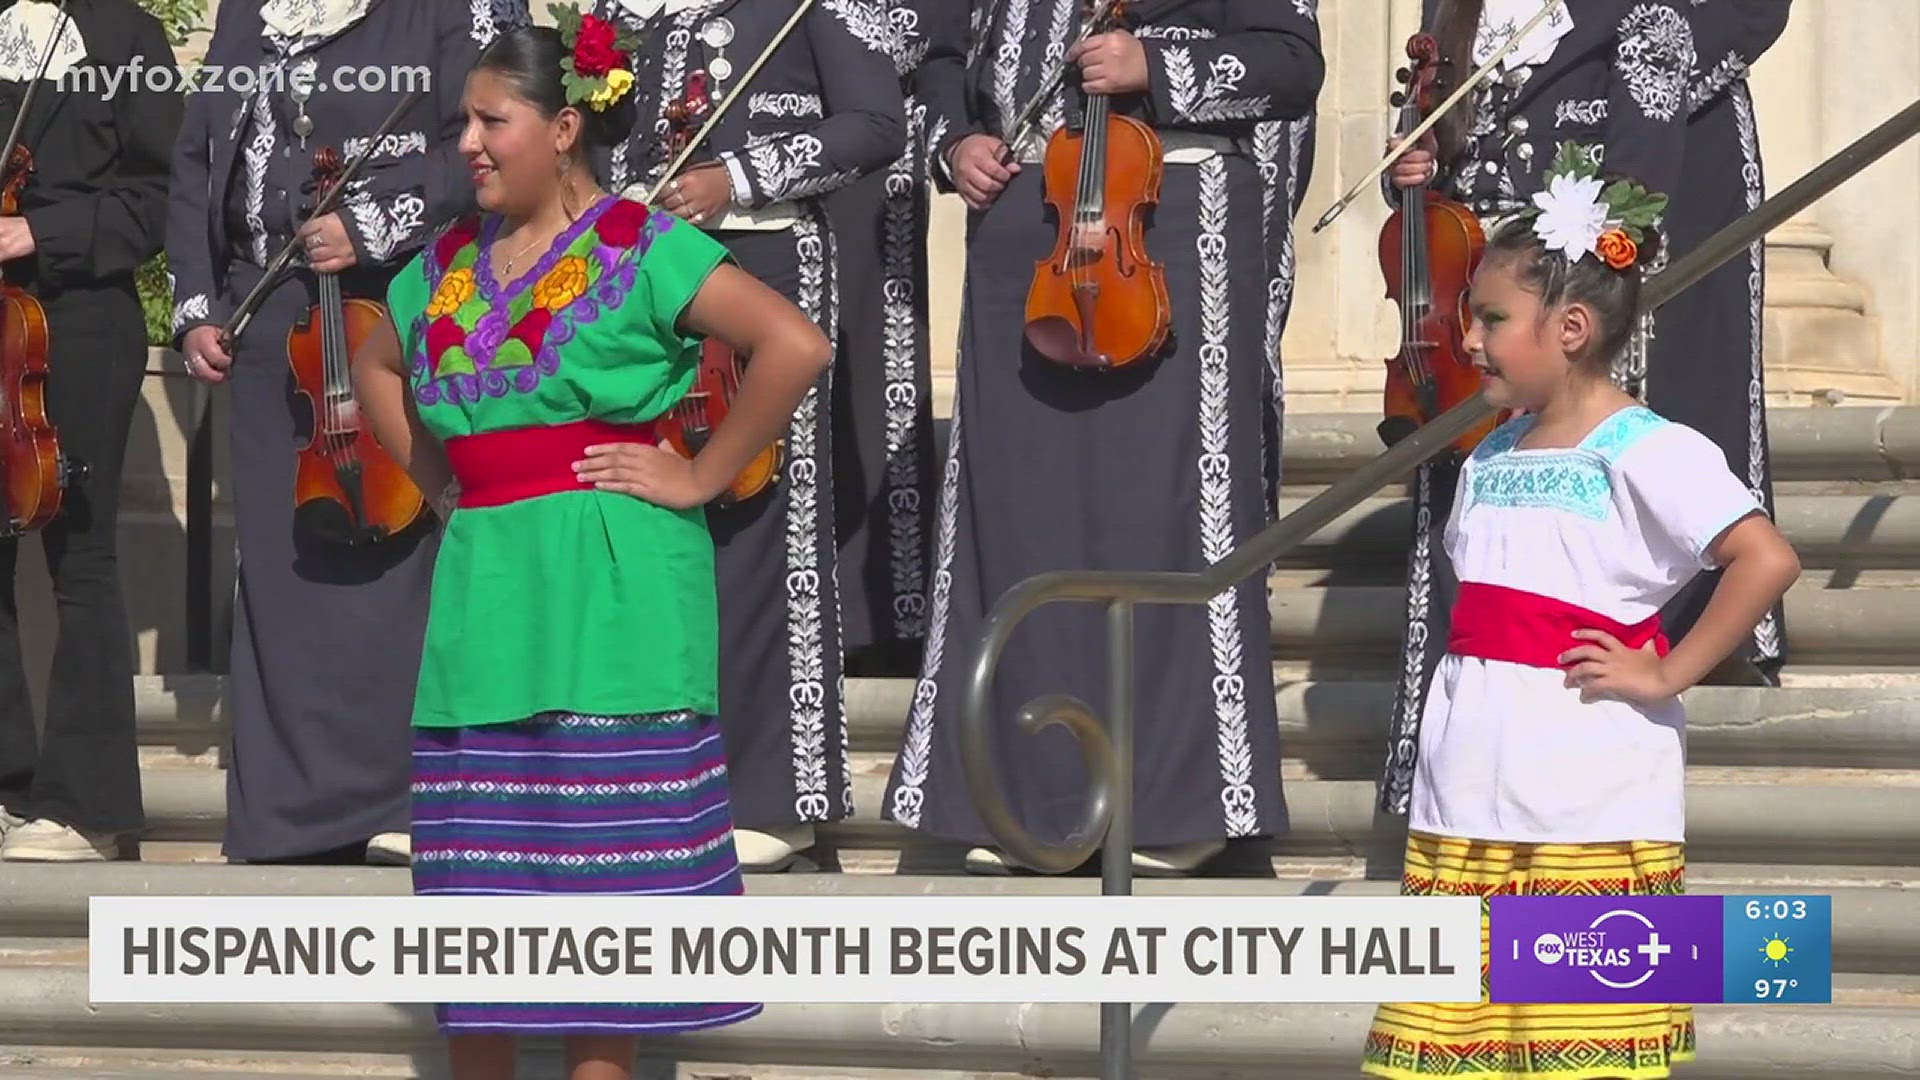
column 16, row 238
column 700, row 194
column 1111, row 63
column 207, row 356
column 329, row 250
column 1417, row 166
column 649, row 472
column 979, row 170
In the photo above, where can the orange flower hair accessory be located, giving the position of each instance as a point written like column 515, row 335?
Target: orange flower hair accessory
column 1617, row 249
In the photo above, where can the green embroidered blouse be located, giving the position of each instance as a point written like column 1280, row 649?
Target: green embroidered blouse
column 578, row 601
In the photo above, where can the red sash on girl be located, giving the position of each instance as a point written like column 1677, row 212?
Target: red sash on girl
column 498, row 467
column 1493, row 622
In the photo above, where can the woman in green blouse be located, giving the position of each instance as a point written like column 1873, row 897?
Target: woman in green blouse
column 565, row 740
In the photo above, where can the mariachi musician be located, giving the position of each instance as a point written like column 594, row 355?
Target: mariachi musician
column 1151, row 464
column 328, row 622
column 89, row 215
column 822, row 111
column 1660, row 87
column 882, row 389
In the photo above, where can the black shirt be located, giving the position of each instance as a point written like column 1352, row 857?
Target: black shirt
column 97, row 198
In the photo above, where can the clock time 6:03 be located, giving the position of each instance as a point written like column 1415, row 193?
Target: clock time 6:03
column 1776, row 909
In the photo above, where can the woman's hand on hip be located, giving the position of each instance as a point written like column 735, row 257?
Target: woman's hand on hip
column 645, row 471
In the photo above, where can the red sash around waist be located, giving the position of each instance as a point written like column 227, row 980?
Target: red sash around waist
column 498, row 467
column 1493, row 622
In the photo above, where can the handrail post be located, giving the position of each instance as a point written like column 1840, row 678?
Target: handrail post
column 1116, row 864
column 199, row 575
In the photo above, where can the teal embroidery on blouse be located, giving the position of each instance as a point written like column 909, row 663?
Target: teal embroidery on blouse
column 1577, row 480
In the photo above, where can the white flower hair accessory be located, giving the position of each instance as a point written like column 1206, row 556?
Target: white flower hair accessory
column 1580, row 214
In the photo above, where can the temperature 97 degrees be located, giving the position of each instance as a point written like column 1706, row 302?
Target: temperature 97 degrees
column 1778, row 949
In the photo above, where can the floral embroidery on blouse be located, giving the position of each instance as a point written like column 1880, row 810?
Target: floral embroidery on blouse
column 1577, row 480
column 477, row 339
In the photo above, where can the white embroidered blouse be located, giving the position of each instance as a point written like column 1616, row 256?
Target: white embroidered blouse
column 1616, row 525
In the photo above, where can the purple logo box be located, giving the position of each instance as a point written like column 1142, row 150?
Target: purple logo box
column 1567, row 950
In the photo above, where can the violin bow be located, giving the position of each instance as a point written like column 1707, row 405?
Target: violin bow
column 329, row 199
column 1433, row 117
column 26, row 100
column 725, row 102
column 1030, row 112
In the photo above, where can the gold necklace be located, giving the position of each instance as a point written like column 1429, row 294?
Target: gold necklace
column 507, row 267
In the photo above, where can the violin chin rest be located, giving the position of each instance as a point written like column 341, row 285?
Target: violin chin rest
column 1395, row 428
column 1059, row 341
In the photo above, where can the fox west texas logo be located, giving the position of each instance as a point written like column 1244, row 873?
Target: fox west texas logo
column 1621, row 949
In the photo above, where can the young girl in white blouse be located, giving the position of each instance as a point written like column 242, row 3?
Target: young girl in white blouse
column 1551, row 751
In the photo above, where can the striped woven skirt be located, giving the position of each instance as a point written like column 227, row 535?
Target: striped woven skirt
column 566, row 804
column 1567, row 1042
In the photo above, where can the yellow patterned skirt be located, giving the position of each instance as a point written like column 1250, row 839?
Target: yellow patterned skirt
column 1567, row 1042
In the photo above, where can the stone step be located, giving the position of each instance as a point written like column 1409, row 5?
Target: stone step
column 1773, row 817
column 1853, row 531
column 1336, row 727
column 1807, row 444
column 1850, row 626
column 1855, row 444
column 50, row 1007
column 538, row 1058
column 44, row 914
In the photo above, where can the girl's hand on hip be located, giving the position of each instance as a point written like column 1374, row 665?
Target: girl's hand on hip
column 1608, row 669
column 644, row 471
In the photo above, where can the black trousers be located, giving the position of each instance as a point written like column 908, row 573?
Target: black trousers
column 84, row 770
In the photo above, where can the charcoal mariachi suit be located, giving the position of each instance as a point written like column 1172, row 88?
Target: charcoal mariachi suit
column 823, row 111
column 883, row 404
column 326, row 636
column 1156, row 466
column 1660, row 87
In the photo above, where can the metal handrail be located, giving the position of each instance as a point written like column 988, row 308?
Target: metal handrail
column 1107, row 822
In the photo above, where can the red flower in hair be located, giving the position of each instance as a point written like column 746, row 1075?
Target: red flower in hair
column 596, row 49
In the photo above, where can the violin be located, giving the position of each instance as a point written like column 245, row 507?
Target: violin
column 1099, row 300
column 346, row 487
column 692, row 420
column 1429, row 249
column 37, row 472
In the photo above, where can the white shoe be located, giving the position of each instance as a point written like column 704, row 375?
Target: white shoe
column 390, row 849
column 1177, row 860
column 990, row 861
column 8, row 822
column 50, row 841
column 763, row 851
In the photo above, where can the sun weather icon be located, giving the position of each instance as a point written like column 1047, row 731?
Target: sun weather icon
column 1776, row 950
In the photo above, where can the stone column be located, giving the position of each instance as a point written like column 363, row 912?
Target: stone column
column 1822, row 347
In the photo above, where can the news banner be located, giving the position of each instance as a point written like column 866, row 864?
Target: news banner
column 961, row 949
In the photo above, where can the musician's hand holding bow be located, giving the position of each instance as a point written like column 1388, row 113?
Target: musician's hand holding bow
column 1111, row 63
column 699, row 195
column 207, row 356
column 978, row 172
column 329, row 251
column 16, row 238
column 1417, row 166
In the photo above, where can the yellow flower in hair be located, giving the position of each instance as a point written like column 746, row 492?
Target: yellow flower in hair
column 454, row 291
column 618, row 82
